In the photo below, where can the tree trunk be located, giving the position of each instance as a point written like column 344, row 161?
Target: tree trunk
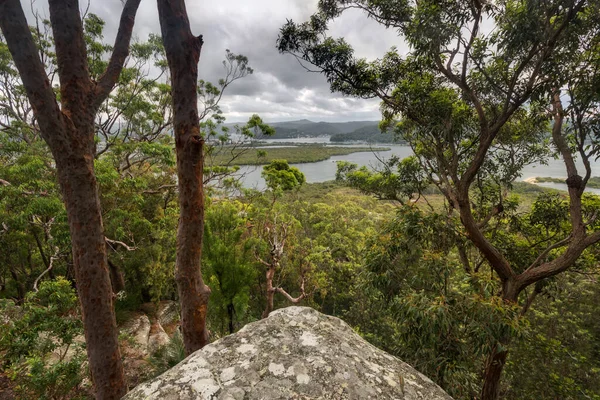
column 496, row 360
column 230, row 315
column 116, row 277
column 69, row 132
column 270, row 292
column 183, row 53
column 80, row 194
column 493, row 373
column 19, row 284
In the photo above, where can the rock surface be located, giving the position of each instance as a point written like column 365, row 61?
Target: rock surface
column 296, row 353
column 157, row 338
column 138, row 328
column 167, row 312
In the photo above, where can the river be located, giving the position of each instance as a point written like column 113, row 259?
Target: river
column 322, row 171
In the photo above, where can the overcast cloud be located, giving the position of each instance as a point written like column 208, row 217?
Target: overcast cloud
column 280, row 89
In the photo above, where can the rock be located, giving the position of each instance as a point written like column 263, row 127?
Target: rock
column 10, row 311
column 157, row 338
column 296, row 353
column 167, row 312
column 67, row 352
column 138, row 329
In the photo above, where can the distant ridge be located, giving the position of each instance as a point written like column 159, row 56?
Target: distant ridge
column 367, row 131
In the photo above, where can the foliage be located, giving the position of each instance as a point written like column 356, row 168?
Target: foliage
column 400, row 180
column 228, row 266
column 281, row 177
column 431, row 312
column 39, row 346
column 168, row 356
column 565, row 339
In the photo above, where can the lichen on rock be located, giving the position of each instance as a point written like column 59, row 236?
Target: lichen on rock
column 295, row 353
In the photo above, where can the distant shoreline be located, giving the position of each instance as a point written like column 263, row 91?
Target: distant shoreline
column 593, row 183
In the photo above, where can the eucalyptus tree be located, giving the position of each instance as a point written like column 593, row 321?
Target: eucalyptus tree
column 69, row 131
column 475, row 95
column 183, row 53
column 132, row 146
column 133, row 161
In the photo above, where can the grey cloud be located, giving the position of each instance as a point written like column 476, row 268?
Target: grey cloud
column 280, row 88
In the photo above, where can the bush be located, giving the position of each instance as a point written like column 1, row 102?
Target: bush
column 168, row 356
column 38, row 343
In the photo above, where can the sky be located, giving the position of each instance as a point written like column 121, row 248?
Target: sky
column 280, row 88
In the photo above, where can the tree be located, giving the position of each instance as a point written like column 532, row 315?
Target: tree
column 228, row 264
column 134, row 169
column 280, row 177
column 475, row 106
column 277, row 231
column 400, row 185
column 183, row 53
column 442, row 318
column 69, row 131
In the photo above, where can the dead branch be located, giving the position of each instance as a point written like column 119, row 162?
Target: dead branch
column 50, row 265
column 111, row 243
column 290, row 298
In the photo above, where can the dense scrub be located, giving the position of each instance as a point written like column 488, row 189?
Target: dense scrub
column 392, row 272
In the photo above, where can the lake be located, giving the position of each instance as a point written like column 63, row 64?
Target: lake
column 322, row 171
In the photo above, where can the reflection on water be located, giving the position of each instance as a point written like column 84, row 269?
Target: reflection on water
column 322, row 171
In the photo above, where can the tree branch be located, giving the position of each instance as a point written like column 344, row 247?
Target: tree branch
column 547, row 251
column 290, row 298
column 159, row 189
column 25, row 55
column 111, row 242
column 559, row 264
column 120, row 52
column 50, row 265
column 71, row 53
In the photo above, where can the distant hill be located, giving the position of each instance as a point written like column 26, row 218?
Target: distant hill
column 339, row 131
column 368, row 133
column 306, row 128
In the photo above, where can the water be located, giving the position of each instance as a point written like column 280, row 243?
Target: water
column 323, row 171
